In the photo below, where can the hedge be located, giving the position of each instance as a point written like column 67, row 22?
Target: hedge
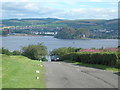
column 106, row 58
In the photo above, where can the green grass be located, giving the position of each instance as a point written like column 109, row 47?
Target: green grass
column 95, row 66
column 19, row 72
column 0, row 72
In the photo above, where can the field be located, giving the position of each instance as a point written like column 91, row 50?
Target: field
column 20, row 72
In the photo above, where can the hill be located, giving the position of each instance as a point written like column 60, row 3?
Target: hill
column 98, row 28
column 92, row 23
column 28, row 21
column 20, row 72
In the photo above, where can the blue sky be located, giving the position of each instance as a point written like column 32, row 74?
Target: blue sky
column 63, row 9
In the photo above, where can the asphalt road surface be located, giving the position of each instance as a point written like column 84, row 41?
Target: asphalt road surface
column 66, row 75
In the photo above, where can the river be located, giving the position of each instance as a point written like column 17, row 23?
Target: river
column 16, row 42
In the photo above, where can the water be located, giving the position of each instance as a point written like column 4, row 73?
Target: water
column 16, row 42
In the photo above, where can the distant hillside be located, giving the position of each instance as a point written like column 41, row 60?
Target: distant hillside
column 28, row 21
column 97, row 28
column 83, row 23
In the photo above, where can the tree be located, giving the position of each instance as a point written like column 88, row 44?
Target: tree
column 35, row 52
column 15, row 52
column 72, row 33
column 4, row 33
column 62, row 51
column 5, row 51
column 84, row 31
column 66, row 33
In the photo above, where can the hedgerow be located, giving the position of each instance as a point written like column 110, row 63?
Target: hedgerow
column 104, row 58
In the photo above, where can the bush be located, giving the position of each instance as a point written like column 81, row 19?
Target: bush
column 15, row 52
column 109, row 59
column 6, row 51
column 0, row 50
column 118, row 64
column 63, row 51
column 118, row 61
column 35, row 52
column 44, row 59
column 71, row 56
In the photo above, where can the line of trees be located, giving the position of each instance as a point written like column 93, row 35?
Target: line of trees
column 39, row 51
column 108, row 58
column 60, row 52
column 34, row 52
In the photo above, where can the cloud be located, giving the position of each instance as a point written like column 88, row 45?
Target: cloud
column 91, row 13
column 14, row 10
column 83, row 5
column 55, row 10
column 67, row 1
column 96, row 0
column 15, row 1
column 114, row 3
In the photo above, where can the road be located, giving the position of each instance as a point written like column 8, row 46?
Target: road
column 67, row 75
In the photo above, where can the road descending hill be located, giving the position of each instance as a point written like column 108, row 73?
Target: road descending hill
column 20, row 72
column 66, row 75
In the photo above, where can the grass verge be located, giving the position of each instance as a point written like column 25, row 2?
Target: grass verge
column 0, row 72
column 103, row 67
column 20, row 72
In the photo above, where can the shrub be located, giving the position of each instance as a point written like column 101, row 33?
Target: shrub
column 35, row 52
column 109, row 59
column 63, row 51
column 71, row 56
column 6, row 51
column 118, row 64
column 0, row 50
column 15, row 52
column 118, row 60
column 44, row 59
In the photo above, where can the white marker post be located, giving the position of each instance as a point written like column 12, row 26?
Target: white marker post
column 40, row 60
column 41, row 65
column 37, row 71
column 37, row 77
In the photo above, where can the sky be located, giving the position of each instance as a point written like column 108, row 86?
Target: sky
column 62, row 9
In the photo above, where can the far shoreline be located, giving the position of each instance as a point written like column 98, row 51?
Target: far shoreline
column 57, row 38
column 22, row 35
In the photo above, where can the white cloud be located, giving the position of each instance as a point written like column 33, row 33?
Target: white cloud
column 83, row 5
column 14, row 10
column 29, row 9
column 67, row 1
column 15, row 1
column 91, row 13
column 114, row 3
column 20, row 14
column 96, row 0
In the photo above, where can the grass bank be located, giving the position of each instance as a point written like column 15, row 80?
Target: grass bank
column 0, row 72
column 103, row 67
column 20, row 72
